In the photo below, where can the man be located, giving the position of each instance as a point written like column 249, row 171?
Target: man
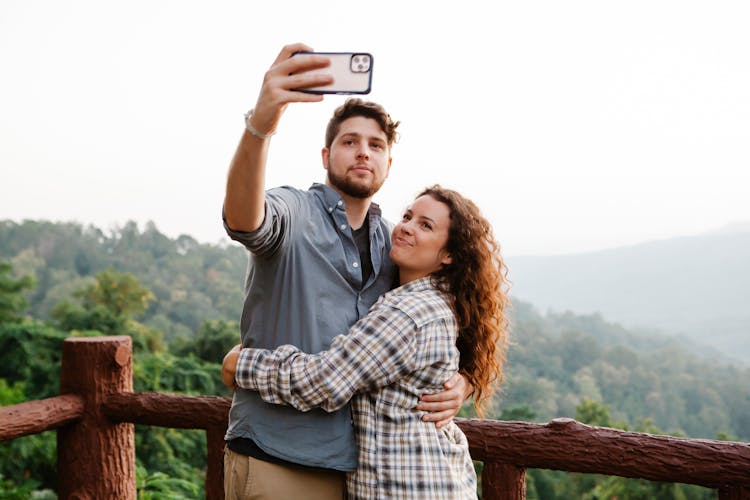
column 318, row 261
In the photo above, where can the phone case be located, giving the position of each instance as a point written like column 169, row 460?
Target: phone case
column 352, row 73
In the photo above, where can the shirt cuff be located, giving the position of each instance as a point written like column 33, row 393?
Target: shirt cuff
column 244, row 374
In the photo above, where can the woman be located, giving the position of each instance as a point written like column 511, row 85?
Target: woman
column 450, row 306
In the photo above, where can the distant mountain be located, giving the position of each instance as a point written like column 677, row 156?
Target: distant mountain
column 696, row 286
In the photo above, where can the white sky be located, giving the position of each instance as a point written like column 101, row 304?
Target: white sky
column 575, row 125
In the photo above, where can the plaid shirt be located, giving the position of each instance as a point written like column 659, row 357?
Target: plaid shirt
column 404, row 347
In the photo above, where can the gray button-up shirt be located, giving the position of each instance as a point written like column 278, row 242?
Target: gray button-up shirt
column 303, row 288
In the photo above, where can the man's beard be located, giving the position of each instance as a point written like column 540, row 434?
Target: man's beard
column 351, row 188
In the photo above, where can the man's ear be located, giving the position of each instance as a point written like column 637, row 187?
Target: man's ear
column 325, row 155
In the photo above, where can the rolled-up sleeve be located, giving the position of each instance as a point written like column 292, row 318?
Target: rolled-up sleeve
column 273, row 231
column 378, row 350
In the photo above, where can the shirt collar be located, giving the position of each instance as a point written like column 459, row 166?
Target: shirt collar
column 418, row 285
column 331, row 199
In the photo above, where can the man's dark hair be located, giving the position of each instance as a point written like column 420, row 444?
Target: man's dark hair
column 358, row 107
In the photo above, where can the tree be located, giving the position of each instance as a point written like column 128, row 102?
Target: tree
column 214, row 339
column 120, row 293
column 520, row 413
column 593, row 413
column 30, row 353
column 29, row 370
column 108, row 306
column 12, row 301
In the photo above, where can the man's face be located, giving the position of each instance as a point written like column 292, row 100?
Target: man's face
column 359, row 159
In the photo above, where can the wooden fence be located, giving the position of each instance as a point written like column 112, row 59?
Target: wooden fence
column 97, row 409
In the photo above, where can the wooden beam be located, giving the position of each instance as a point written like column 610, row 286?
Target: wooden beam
column 34, row 417
column 564, row 444
column 168, row 410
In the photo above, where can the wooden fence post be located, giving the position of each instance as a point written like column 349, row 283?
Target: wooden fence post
column 96, row 457
column 734, row 492
column 215, row 462
column 503, row 482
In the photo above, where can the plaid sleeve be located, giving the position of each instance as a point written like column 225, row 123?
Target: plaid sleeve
column 378, row 350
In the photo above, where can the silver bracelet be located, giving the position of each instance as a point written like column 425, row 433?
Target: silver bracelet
column 252, row 130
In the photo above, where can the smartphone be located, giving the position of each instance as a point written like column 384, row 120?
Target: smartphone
column 352, row 73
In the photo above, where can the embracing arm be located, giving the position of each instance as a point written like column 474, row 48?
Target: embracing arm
column 441, row 407
column 379, row 349
column 244, row 206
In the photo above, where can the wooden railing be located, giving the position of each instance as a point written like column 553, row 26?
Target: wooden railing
column 95, row 413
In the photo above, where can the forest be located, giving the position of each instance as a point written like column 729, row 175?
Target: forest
column 180, row 300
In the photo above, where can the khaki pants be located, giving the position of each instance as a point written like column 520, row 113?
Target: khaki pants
column 247, row 478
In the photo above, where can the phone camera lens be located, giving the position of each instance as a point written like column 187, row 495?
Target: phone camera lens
column 356, row 59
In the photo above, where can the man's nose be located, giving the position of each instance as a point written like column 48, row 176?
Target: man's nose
column 363, row 153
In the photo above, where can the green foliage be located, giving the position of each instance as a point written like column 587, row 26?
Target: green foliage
column 106, row 306
column 120, row 293
column 192, row 282
column 12, row 300
column 211, row 343
column 71, row 316
column 173, row 454
column 593, row 413
column 23, row 455
column 28, row 489
column 11, row 394
column 160, row 486
column 29, row 369
column 30, row 462
column 178, row 300
column 165, row 372
column 634, row 377
column 30, row 353
column 636, row 489
column 521, row 413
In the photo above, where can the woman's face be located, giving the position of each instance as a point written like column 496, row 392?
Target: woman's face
column 418, row 240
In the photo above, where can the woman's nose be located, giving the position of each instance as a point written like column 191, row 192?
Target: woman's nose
column 406, row 227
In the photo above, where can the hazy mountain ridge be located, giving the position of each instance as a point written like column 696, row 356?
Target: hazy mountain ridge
column 697, row 286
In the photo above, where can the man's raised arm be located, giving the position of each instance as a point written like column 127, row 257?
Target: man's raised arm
column 244, row 201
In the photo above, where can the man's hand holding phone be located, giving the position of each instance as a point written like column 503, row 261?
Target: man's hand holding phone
column 286, row 74
column 300, row 75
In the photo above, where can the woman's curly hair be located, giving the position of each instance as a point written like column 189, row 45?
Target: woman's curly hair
column 477, row 280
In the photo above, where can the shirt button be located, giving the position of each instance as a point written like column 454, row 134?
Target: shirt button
column 340, row 203
column 355, row 264
column 330, row 209
column 343, row 227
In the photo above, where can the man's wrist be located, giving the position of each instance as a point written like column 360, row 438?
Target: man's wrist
column 250, row 128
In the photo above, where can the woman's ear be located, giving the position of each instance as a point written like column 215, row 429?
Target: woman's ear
column 445, row 258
